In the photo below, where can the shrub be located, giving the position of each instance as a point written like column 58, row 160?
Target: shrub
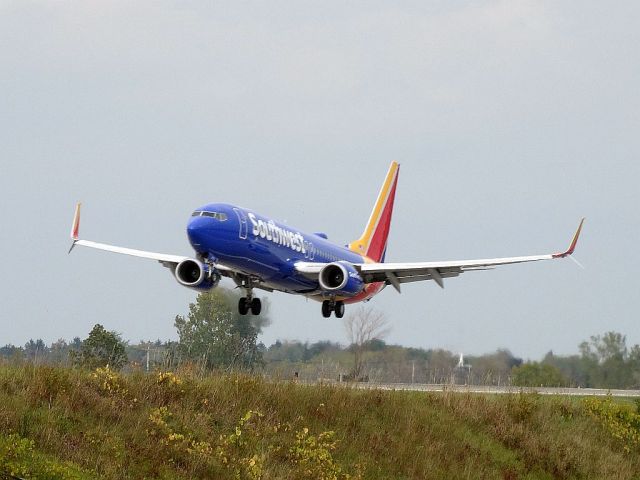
column 108, row 381
column 619, row 420
column 18, row 458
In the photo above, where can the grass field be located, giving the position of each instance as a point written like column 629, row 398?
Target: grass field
column 65, row 423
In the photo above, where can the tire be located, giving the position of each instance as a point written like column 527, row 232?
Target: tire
column 339, row 309
column 256, row 306
column 326, row 309
column 243, row 306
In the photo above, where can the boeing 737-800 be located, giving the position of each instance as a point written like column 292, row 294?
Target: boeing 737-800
column 257, row 252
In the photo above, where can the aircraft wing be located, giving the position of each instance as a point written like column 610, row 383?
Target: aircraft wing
column 396, row 274
column 170, row 261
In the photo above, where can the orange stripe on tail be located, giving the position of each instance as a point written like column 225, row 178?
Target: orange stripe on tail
column 373, row 242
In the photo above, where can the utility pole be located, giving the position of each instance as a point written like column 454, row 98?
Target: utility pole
column 413, row 370
column 147, row 358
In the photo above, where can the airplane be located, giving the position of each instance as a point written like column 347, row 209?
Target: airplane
column 257, row 252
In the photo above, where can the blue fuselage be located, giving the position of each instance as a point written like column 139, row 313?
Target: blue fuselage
column 259, row 246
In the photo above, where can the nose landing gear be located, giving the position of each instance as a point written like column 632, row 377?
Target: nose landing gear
column 248, row 303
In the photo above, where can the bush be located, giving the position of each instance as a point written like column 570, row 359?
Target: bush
column 18, row 458
column 621, row 421
column 537, row 375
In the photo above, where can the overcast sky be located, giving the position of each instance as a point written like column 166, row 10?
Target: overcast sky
column 511, row 121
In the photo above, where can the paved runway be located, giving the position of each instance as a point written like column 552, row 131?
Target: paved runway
column 498, row 390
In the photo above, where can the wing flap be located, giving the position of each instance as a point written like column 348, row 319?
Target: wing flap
column 461, row 265
column 420, row 278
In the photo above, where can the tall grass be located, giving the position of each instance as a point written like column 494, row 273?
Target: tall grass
column 165, row 425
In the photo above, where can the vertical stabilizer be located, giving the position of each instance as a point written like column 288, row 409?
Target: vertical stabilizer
column 373, row 242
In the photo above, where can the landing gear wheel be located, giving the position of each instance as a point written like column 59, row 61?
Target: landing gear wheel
column 339, row 309
column 243, row 306
column 256, row 306
column 326, row 309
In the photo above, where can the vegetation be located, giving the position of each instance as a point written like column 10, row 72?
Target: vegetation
column 190, row 409
column 621, row 421
column 72, row 423
column 363, row 326
column 536, row 374
column 379, row 362
column 100, row 349
column 604, row 362
column 18, row 459
column 215, row 335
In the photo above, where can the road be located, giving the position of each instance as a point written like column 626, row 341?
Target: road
column 498, row 390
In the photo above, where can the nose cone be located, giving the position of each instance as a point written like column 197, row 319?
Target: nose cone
column 196, row 231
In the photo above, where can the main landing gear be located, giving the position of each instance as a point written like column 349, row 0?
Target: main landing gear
column 247, row 303
column 329, row 306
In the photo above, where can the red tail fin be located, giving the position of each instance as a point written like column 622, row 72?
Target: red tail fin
column 373, row 242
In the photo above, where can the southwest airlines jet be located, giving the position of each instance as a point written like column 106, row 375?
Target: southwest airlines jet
column 257, row 252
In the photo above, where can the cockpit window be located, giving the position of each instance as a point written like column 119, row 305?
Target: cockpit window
column 217, row 215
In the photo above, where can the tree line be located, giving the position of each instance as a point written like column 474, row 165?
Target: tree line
column 214, row 337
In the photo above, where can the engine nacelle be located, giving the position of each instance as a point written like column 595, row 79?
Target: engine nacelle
column 193, row 273
column 341, row 278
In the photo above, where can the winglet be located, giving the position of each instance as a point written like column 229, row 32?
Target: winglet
column 75, row 226
column 572, row 246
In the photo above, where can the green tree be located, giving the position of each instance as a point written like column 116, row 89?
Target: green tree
column 99, row 349
column 536, row 374
column 493, row 368
column 12, row 353
column 35, row 350
column 634, row 368
column 215, row 335
column 573, row 367
column 607, row 361
column 58, row 351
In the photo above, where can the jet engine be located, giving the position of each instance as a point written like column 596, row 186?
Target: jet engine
column 195, row 274
column 341, row 278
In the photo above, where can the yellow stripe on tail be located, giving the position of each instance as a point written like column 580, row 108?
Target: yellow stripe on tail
column 373, row 242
